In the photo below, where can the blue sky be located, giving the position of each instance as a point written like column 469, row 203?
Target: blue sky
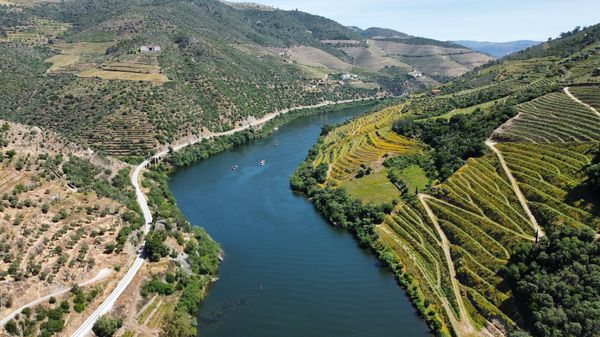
column 483, row 20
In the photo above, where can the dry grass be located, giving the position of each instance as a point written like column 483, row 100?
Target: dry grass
column 60, row 62
column 314, row 57
column 123, row 75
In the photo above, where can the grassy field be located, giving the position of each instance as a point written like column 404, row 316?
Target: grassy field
column 73, row 53
column 415, row 178
column 123, row 75
column 374, row 188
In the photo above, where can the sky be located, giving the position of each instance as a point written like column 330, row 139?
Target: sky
column 481, row 20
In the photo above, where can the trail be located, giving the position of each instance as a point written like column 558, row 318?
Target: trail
column 108, row 303
column 462, row 325
column 568, row 92
column 516, row 188
column 102, row 274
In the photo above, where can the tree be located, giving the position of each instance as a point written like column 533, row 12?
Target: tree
column 107, row 326
column 177, row 324
column 155, row 246
column 556, row 283
column 11, row 327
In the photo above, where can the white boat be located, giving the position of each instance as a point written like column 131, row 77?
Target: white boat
column 262, row 163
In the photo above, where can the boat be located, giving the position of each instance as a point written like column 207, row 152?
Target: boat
column 262, row 163
column 234, row 167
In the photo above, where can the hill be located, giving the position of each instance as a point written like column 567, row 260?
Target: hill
column 462, row 192
column 76, row 67
column 498, row 49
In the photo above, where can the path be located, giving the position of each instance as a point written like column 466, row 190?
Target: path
column 516, row 188
column 462, row 325
column 102, row 274
column 106, row 306
column 568, row 92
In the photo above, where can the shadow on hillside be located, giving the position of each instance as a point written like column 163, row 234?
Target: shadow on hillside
column 584, row 197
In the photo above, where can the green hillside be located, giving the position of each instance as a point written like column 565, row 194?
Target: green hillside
column 80, row 70
column 506, row 160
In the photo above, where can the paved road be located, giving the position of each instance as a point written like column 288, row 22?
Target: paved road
column 105, row 307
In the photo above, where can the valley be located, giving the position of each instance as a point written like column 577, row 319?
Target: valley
column 449, row 192
column 493, row 178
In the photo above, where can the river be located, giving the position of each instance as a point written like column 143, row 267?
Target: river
column 286, row 271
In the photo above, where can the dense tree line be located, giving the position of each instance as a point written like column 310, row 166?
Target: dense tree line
column 557, row 283
column 457, row 139
column 567, row 44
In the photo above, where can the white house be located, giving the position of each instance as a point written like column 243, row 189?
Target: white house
column 149, row 49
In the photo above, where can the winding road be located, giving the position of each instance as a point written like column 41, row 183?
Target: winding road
column 108, row 303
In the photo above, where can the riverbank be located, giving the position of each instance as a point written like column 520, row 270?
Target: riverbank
column 286, row 271
column 342, row 210
column 169, row 242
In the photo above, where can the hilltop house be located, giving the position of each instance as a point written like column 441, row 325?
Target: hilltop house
column 149, row 49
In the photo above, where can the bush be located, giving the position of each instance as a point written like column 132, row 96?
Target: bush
column 107, row 326
column 11, row 328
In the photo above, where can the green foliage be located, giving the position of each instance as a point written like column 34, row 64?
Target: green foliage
column 567, row 44
column 11, row 327
column 455, row 140
column 107, row 326
column 155, row 247
column 192, row 295
column 156, row 286
column 336, row 205
column 177, row 324
column 203, row 253
column 593, row 173
column 556, row 282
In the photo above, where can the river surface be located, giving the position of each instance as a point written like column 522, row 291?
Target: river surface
column 287, row 272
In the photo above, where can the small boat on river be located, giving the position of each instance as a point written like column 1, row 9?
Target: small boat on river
column 261, row 163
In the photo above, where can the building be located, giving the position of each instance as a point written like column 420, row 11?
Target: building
column 415, row 74
column 149, row 49
column 436, row 91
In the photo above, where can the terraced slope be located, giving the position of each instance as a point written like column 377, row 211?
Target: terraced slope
column 588, row 95
column 546, row 174
column 553, row 118
column 362, row 142
column 478, row 211
column 455, row 239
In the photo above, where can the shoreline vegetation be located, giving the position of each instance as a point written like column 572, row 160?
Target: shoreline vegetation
column 172, row 232
column 342, row 210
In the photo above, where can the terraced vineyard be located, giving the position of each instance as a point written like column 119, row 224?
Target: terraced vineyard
column 412, row 238
column 589, row 95
column 546, row 174
column 551, row 118
column 362, row 142
column 456, row 239
column 479, row 212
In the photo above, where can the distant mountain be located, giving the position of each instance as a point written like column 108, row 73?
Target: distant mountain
column 498, row 49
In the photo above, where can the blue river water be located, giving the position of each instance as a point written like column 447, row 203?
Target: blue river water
column 286, row 271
